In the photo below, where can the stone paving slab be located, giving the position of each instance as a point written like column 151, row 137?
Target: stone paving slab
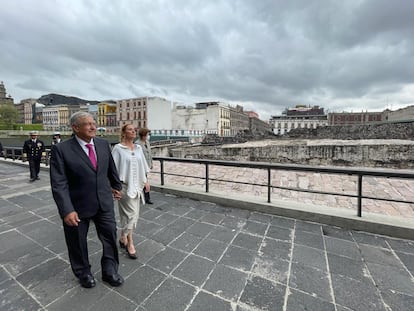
column 196, row 256
column 399, row 189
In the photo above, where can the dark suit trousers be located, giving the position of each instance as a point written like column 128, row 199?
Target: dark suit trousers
column 34, row 165
column 76, row 241
column 146, row 196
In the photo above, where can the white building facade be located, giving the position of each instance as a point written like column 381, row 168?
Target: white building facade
column 298, row 117
column 150, row 112
column 204, row 118
column 403, row 114
column 56, row 117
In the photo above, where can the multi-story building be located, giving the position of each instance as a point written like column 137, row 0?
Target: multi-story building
column 28, row 110
column 258, row 126
column 56, row 117
column 186, row 121
column 353, row 118
column 90, row 108
column 239, row 121
column 4, row 98
column 150, row 112
column 298, row 117
column 107, row 116
column 204, row 118
column 20, row 109
column 403, row 114
column 37, row 113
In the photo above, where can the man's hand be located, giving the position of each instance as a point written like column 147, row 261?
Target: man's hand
column 117, row 194
column 72, row 219
column 147, row 186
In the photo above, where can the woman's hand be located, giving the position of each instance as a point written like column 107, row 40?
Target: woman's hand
column 117, row 194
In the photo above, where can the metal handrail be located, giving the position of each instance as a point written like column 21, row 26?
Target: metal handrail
column 360, row 173
column 16, row 153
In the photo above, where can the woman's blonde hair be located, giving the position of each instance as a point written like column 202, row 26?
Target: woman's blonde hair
column 123, row 130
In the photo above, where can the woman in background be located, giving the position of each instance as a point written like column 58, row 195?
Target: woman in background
column 133, row 169
column 143, row 141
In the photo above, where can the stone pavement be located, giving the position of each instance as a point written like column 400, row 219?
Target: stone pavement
column 198, row 256
column 388, row 188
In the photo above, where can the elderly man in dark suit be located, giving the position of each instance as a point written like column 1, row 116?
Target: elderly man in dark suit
column 84, row 181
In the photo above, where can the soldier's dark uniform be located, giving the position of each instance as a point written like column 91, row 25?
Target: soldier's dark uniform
column 33, row 150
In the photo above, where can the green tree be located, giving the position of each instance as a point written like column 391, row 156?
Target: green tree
column 8, row 114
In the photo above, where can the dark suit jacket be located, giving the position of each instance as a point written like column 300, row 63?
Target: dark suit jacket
column 34, row 150
column 76, row 186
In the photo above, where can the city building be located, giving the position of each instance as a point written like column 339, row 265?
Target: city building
column 56, row 117
column 28, row 110
column 90, row 108
column 107, row 117
column 37, row 110
column 150, row 112
column 403, row 114
column 300, row 116
column 20, row 109
column 204, row 118
column 239, row 121
column 257, row 126
column 354, row 118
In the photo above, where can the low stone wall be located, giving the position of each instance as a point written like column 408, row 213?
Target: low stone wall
column 363, row 153
column 388, row 130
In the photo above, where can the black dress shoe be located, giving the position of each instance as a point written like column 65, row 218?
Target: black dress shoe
column 87, row 281
column 37, row 178
column 131, row 255
column 113, row 280
column 32, row 179
column 149, row 202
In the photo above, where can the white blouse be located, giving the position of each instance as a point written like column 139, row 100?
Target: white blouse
column 132, row 168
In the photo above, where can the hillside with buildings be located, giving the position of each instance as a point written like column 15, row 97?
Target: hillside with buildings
column 216, row 121
column 57, row 99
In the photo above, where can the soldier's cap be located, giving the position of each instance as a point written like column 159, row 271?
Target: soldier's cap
column 33, row 133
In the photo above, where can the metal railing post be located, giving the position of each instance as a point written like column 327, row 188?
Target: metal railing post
column 359, row 195
column 207, row 177
column 162, row 172
column 269, row 184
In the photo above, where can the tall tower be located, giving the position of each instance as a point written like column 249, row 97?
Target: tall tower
column 2, row 91
column 4, row 99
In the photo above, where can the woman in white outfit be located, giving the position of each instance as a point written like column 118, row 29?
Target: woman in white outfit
column 132, row 168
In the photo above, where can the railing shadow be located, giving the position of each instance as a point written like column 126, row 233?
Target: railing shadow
column 268, row 167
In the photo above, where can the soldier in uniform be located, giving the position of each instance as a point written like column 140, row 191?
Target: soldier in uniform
column 56, row 138
column 33, row 151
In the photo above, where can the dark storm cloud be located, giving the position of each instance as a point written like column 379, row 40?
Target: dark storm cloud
column 268, row 54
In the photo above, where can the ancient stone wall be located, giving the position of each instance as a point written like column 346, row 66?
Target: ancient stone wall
column 363, row 153
column 391, row 130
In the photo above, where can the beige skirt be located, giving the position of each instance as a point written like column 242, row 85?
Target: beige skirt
column 128, row 210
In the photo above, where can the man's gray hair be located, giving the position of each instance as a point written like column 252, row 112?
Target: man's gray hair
column 74, row 118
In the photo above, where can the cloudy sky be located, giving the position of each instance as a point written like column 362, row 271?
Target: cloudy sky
column 267, row 55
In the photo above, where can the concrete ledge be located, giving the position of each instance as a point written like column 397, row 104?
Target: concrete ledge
column 369, row 222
